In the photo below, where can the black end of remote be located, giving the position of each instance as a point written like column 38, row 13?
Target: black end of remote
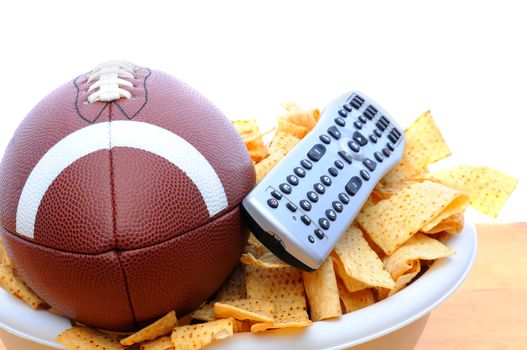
column 271, row 243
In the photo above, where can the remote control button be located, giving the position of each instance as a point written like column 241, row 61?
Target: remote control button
column 273, row 202
column 353, row 185
column 384, row 121
column 293, row 180
column 313, row 197
column 291, row 206
column 331, row 215
column 319, row 188
column 361, row 140
column 369, row 114
column 325, row 138
column 343, row 113
column 377, row 132
column 359, row 98
column 396, row 132
column 365, row 175
column 318, row 232
column 346, row 156
column 305, row 219
column 354, row 146
column 324, row 223
column 362, row 119
column 305, row 205
column 378, row 156
column 340, row 121
column 357, row 124
column 392, row 138
column 333, row 172
column 325, row 180
column 285, row 188
column 306, row 164
column 311, row 239
column 300, row 171
column 276, row 195
column 339, row 164
column 344, row 198
column 372, row 108
column 316, row 152
column 355, row 104
column 370, row 164
column 333, row 131
column 380, row 126
column 347, row 107
column 390, row 146
column 373, row 138
column 386, row 152
column 337, row 206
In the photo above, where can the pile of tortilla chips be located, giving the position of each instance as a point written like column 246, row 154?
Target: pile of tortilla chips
column 398, row 234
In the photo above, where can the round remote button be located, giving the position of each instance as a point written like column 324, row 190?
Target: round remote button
column 311, row 239
column 373, row 138
column 306, row 205
column 354, row 146
column 318, row 232
column 319, row 188
column 377, row 132
column 312, row 196
column 340, row 122
column 306, row 164
column 325, row 138
column 363, row 119
column 293, row 180
column 391, row 146
column 325, row 180
column 276, row 194
column 273, row 202
column 378, row 156
column 331, row 215
column 285, row 188
column 337, row 206
column 343, row 113
column 357, row 124
column 333, row 171
column 347, row 107
column 386, row 152
column 291, row 206
column 300, row 171
column 344, row 198
column 324, row 223
column 305, row 219
column 339, row 164
column 365, row 175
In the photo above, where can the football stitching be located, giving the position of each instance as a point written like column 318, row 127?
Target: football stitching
column 144, row 104
column 76, row 104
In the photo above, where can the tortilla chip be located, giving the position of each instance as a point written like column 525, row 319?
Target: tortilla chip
column 242, row 326
column 245, row 309
column 266, row 165
column 199, row 335
column 234, row 287
column 204, row 313
column 255, row 246
column 13, row 284
column 424, row 146
column 357, row 262
column 401, row 282
column 86, row 338
column 393, row 221
column 283, row 287
column 322, row 292
column 291, row 128
column 282, row 143
column 352, row 301
column 161, row 327
column 268, row 260
column 487, row 188
column 418, row 247
column 451, row 225
column 300, row 116
column 163, row 343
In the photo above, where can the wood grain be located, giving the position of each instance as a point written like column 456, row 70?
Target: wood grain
column 489, row 311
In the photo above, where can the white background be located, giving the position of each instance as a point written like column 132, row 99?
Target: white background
column 465, row 61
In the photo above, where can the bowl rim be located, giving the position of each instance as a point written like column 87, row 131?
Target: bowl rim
column 358, row 327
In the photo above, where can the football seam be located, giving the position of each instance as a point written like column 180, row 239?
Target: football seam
column 76, row 104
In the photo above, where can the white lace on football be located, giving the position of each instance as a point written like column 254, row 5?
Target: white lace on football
column 108, row 80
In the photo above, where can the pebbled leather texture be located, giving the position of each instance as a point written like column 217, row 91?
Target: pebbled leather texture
column 123, row 218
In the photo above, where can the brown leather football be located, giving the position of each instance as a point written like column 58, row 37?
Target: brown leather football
column 119, row 197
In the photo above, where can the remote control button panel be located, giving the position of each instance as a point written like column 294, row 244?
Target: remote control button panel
column 302, row 207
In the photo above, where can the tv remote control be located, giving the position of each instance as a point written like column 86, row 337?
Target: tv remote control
column 303, row 206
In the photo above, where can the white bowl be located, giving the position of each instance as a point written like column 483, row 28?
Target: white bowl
column 394, row 323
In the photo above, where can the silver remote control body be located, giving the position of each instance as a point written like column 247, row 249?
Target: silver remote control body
column 303, row 206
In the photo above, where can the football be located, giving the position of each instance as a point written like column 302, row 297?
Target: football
column 119, row 197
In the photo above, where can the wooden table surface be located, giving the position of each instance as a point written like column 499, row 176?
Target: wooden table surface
column 489, row 311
